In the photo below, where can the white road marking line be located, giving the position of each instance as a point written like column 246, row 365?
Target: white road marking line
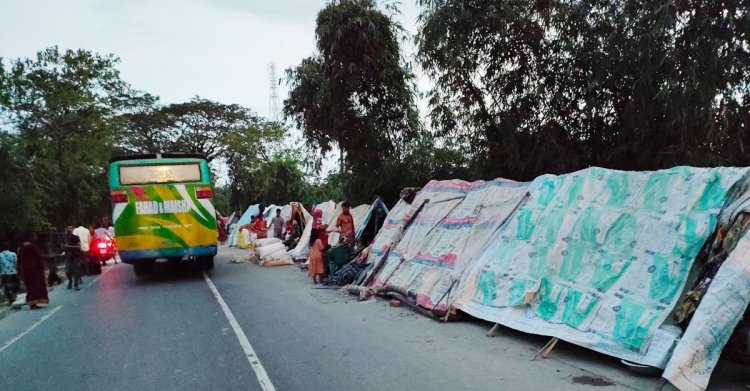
column 252, row 358
column 100, row 276
column 33, row 326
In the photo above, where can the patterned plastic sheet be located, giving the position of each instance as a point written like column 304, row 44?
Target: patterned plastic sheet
column 449, row 230
column 599, row 257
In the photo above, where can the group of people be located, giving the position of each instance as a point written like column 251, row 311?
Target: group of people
column 285, row 230
column 319, row 240
column 29, row 263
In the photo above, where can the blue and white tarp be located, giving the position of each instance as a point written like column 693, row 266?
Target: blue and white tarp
column 251, row 211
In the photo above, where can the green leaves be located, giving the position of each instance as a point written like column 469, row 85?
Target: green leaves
column 61, row 109
column 355, row 93
column 550, row 86
column 200, row 126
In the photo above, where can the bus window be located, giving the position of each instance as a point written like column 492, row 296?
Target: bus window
column 164, row 173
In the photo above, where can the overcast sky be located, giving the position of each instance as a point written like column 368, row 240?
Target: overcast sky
column 176, row 49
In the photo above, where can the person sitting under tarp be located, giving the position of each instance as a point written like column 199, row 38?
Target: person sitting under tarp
column 257, row 226
column 292, row 233
column 349, row 272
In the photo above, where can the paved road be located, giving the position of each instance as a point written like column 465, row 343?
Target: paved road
column 170, row 332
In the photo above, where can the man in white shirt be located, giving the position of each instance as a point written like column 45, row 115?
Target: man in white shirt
column 84, row 234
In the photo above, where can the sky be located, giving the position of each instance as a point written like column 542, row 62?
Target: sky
column 177, row 49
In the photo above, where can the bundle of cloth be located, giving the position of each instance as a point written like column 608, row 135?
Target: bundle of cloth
column 272, row 252
column 349, row 272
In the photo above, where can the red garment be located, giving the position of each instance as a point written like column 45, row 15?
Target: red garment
column 260, row 228
column 317, row 218
column 318, row 224
column 31, row 266
column 222, row 228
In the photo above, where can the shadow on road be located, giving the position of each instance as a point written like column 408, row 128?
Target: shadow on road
column 171, row 272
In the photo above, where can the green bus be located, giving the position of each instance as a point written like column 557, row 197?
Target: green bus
column 161, row 208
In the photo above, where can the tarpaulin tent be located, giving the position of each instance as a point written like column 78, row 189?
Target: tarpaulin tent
column 449, row 223
column 251, row 211
column 599, row 258
column 722, row 303
column 361, row 216
column 270, row 213
column 377, row 210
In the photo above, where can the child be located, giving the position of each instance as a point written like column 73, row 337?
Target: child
column 316, row 268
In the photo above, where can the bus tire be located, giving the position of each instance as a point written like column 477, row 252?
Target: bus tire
column 205, row 263
column 143, row 268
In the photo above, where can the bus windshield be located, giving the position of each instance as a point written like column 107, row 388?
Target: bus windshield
column 161, row 173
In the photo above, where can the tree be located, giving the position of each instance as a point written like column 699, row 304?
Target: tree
column 200, row 126
column 355, row 93
column 20, row 207
column 551, row 86
column 247, row 150
column 61, row 106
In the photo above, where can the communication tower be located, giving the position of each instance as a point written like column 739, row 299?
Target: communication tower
column 274, row 114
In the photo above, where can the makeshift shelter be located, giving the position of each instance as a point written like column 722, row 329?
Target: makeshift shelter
column 372, row 220
column 722, row 295
column 270, row 213
column 362, row 215
column 599, row 258
column 448, row 224
column 251, row 211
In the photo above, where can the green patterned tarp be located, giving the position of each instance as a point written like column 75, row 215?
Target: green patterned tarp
column 599, row 257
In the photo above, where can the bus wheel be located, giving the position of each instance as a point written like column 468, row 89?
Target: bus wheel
column 143, row 268
column 206, row 263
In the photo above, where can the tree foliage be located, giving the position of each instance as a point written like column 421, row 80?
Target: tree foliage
column 553, row 86
column 61, row 106
column 200, row 125
column 355, row 93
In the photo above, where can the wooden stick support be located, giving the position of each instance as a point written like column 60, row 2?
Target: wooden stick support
column 493, row 331
column 546, row 349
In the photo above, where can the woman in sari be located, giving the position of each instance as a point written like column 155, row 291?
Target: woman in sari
column 31, row 267
column 222, row 228
column 316, row 268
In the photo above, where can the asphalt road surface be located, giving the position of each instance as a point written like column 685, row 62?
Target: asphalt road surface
column 245, row 327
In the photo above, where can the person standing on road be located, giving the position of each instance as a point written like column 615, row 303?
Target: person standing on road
column 9, row 273
column 277, row 223
column 316, row 268
column 72, row 258
column 85, row 236
column 345, row 225
column 31, row 266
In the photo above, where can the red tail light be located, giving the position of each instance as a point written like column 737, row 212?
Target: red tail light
column 102, row 245
column 203, row 192
column 119, row 196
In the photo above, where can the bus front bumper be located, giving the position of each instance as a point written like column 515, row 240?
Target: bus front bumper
column 134, row 256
